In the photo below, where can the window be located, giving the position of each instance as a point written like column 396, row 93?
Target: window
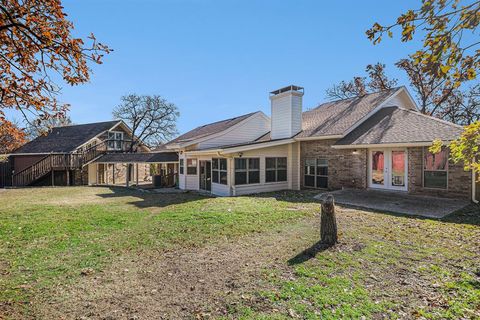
column 192, row 166
column 435, row 168
column 247, row 170
column 115, row 140
column 182, row 163
column 316, row 173
column 219, row 171
column 275, row 169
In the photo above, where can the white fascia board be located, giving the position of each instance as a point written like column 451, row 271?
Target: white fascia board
column 386, row 145
column 217, row 134
column 257, row 146
column 98, row 135
column 410, row 97
column 203, row 152
column 338, row 136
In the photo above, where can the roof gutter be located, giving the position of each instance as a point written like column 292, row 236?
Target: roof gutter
column 383, row 145
column 258, row 146
column 336, row 136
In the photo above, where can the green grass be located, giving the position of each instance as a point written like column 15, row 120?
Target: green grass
column 386, row 266
column 49, row 236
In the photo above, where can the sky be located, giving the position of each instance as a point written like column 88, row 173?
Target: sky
column 220, row 59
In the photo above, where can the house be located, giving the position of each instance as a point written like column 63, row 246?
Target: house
column 93, row 153
column 376, row 141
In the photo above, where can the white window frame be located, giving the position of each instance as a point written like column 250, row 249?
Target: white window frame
column 117, row 143
column 247, row 170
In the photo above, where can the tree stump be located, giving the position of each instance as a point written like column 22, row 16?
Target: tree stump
column 328, row 222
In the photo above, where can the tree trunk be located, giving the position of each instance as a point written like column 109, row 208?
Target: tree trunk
column 328, row 224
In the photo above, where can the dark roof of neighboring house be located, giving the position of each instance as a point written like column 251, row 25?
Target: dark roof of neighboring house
column 398, row 125
column 336, row 117
column 67, row 138
column 210, row 128
column 139, row 157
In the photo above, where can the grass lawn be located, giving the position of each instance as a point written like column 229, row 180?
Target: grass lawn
column 385, row 265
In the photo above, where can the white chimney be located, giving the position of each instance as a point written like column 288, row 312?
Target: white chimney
column 286, row 112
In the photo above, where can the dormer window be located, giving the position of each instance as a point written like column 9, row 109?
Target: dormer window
column 115, row 139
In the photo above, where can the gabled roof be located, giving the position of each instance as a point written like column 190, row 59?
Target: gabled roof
column 67, row 138
column 210, row 129
column 337, row 117
column 394, row 125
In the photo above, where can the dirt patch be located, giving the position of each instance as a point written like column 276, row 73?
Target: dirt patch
column 181, row 284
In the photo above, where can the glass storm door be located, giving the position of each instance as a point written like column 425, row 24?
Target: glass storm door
column 388, row 169
column 377, row 169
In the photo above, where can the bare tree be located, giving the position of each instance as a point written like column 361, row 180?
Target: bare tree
column 152, row 118
column 40, row 126
column 377, row 80
column 463, row 107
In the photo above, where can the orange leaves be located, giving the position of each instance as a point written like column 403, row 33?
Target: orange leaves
column 37, row 41
column 11, row 137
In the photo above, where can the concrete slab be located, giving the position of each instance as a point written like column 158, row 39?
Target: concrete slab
column 396, row 202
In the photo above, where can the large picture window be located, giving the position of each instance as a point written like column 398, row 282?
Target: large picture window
column 192, row 166
column 219, row 171
column 247, row 171
column 275, row 169
column 316, row 173
column 115, row 140
column 435, row 167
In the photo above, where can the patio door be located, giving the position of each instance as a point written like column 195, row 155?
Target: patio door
column 388, row 169
column 206, row 175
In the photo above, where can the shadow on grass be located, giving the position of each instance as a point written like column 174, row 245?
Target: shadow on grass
column 468, row 215
column 309, row 253
column 152, row 200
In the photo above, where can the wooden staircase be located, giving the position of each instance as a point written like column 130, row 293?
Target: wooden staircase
column 57, row 161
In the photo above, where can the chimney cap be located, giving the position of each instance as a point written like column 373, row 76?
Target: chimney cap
column 287, row 88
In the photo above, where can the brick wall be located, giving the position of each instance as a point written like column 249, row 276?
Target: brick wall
column 345, row 169
column 459, row 181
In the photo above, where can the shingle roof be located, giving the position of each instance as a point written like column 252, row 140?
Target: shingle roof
column 66, row 139
column 397, row 125
column 210, row 128
column 336, row 117
column 139, row 157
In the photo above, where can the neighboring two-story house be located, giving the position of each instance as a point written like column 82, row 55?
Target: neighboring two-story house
column 95, row 153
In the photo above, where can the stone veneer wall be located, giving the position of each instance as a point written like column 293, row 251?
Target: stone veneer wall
column 459, row 180
column 81, row 176
column 345, row 169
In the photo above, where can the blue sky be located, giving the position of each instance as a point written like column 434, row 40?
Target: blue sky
column 219, row 59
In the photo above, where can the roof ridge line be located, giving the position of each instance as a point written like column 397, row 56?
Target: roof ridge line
column 429, row 117
column 395, row 89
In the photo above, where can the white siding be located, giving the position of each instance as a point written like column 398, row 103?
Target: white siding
column 251, row 129
column 279, row 151
column 294, row 166
column 221, row 190
column 181, row 181
column 400, row 100
column 192, row 182
column 286, row 111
